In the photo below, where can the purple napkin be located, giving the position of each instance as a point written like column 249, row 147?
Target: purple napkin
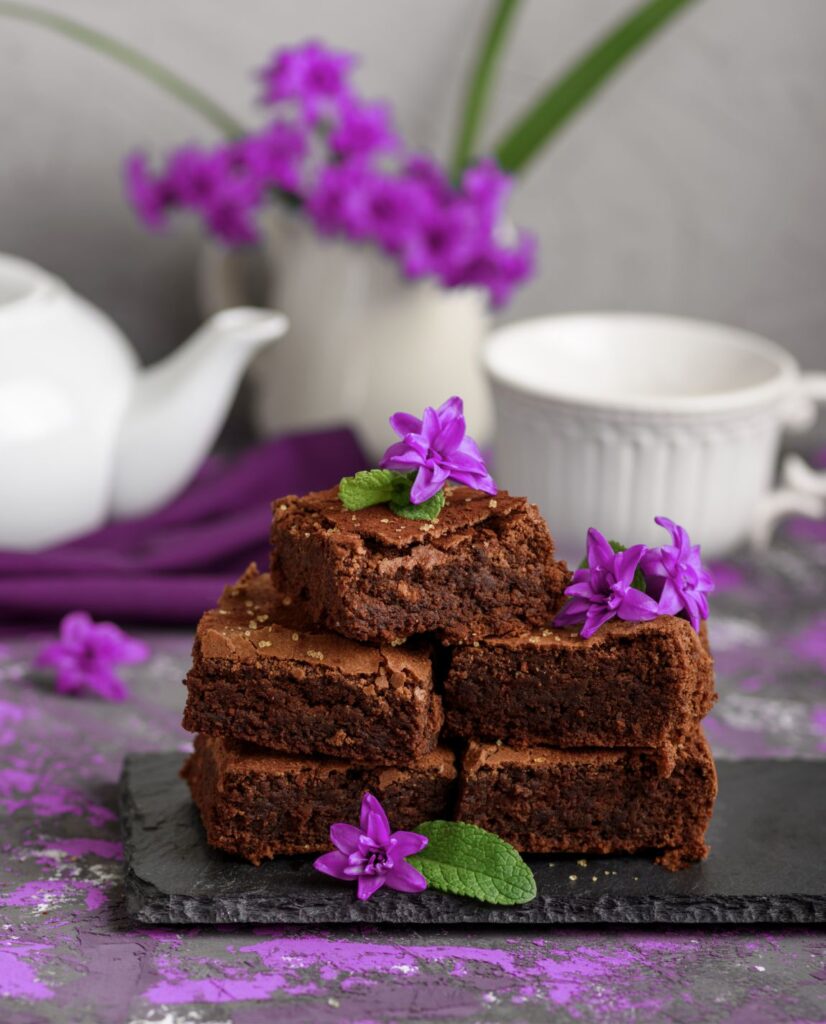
column 170, row 566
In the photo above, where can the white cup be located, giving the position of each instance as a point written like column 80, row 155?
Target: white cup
column 608, row 419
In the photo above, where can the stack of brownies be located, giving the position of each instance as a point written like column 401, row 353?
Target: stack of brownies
column 417, row 660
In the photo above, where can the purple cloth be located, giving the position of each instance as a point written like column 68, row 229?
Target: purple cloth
column 170, row 566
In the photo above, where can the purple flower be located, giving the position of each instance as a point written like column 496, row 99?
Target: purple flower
column 228, row 211
column 150, row 196
column 372, row 854
column 317, row 78
column 439, row 449
column 194, row 176
column 442, row 242
column 604, row 590
column 488, row 187
column 277, row 155
column 498, row 269
column 363, row 129
column 674, row 574
column 427, row 172
column 326, row 202
column 382, row 208
column 87, row 653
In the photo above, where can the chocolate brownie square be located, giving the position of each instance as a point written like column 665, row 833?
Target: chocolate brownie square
column 592, row 801
column 263, row 673
column 631, row 684
column 257, row 804
column 485, row 567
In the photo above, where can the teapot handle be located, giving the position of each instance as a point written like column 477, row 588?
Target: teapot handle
column 802, row 489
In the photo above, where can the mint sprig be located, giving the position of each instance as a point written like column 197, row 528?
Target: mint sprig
column 638, row 582
column 467, row 860
column 387, row 487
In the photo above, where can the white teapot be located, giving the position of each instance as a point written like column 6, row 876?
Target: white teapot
column 85, row 433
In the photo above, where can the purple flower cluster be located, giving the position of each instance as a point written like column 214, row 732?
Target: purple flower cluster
column 87, row 654
column 340, row 159
column 676, row 583
column 371, row 855
column 439, row 449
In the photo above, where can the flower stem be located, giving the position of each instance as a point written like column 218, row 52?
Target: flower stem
column 563, row 97
column 479, row 86
column 156, row 73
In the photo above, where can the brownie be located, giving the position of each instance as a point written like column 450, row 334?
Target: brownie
column 257, row 803
column 263, row 673
column 544, row 800
column 631, row 684
column 485, row 567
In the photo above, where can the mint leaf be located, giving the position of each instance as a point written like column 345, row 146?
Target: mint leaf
column 387, row 487
column 466, row 860
column 638, row 582
column 429, row 509
column 373, row 487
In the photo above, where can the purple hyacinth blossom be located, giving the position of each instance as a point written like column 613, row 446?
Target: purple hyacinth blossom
column 488, row 186
column 372, row 855
column 327, row 200
column 438, row 449
column 313, row 75
column 87, row 653
column 277, row 155
column 675, row 575
column 150, row 196
column 604, row 590
column 427, row 172
column 194, row 175
column 499, row 270
column 363, row 129
column 382, row 208
column 228, row 211
column 442, row 242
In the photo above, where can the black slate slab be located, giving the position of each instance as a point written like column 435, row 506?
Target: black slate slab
column 767, row 864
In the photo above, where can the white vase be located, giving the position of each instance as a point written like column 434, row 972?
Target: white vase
column 363, row 343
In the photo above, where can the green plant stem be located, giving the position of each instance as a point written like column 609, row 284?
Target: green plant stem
column 564, row 96
column 156, row 73
column 479, row 85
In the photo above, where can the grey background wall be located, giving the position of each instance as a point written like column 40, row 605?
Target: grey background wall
column 694, row 184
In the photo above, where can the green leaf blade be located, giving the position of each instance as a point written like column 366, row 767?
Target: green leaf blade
column 476, row 98
column 127, row 56
column 466, row 860
column 580, row 82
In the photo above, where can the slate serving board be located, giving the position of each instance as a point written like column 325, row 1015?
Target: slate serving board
column 768, row 864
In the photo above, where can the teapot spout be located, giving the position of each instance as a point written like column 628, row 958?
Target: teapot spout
column 178, row 406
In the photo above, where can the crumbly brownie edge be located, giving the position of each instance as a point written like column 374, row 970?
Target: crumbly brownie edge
column 219, row 781
column 278, row 714
column 365, row 589
column 489, row 775
column 494, row 690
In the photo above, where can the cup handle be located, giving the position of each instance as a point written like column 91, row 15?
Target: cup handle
column 802, row 489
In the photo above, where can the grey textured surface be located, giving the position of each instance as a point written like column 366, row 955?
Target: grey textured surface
column 693, row 184
column 767, row 836
column 69, row 952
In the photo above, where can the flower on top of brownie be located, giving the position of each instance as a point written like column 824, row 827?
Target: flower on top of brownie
column 413, row 471
column 637, row 584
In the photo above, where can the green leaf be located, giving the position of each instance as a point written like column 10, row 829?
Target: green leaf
column 476, row 97
column 638, row 582
column 129, row 57
column 468, row 861
column 428, row 510
column 578, row 84
column 373, row 487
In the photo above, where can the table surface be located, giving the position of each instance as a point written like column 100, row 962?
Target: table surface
column 68, row 953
